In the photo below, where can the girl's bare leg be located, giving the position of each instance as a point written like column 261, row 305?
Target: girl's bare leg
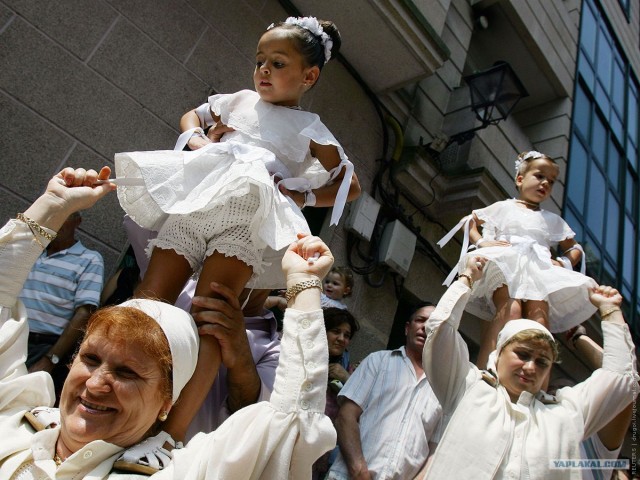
column 507, row 309
column 233, row 273
column 165, row 277
column 537, row 310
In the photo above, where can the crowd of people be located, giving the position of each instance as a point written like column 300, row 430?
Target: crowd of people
column 177, row 368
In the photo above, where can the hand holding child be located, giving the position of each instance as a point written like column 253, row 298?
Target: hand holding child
column 298, row 260
column 608, row 300
column 69, row 191
column 604, row 296
column 475, row 268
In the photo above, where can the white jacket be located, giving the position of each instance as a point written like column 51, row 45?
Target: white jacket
column 270, row 440
column 487, row 435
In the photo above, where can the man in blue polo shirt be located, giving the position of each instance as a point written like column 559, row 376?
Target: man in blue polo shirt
column 61, row 291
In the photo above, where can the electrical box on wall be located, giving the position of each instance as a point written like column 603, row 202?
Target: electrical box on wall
column 397, row 246
column 362, row 216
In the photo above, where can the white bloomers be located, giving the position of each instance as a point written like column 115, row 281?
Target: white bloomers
column 224, row 228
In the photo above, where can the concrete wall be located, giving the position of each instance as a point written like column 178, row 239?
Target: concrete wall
column 627, row 30
column 83, row 80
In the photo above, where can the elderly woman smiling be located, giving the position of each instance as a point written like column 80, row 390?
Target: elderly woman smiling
column 134, row 361
column 504, row 423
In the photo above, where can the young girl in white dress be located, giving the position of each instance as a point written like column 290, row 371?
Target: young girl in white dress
column 237, row 198
column 522, row 280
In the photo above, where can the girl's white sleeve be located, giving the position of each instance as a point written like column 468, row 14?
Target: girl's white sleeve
column 204, row 115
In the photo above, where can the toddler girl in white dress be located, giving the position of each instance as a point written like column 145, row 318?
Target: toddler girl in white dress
column 230, row 205
column 522, row 280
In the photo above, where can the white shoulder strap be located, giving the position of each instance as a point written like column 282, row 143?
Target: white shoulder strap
column 464, row 222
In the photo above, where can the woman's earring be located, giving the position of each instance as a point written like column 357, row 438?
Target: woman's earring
column 163, row 416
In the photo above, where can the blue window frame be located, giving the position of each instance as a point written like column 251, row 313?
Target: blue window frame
column 601, row 198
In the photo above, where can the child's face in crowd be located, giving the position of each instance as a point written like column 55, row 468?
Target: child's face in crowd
column 537, row 182
column 335, row 286
column 338, row 339
column 281, row 76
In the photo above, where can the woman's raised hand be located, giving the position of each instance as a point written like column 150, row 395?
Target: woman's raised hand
column 475, row 267
column 308, row 255
column 69, row 191
column 604, row 296
column 609, row 302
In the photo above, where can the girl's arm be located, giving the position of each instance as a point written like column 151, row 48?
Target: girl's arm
column 325, row 196
column 474, row 234
column 476, row 238
column 191, row 120
column 574, row 255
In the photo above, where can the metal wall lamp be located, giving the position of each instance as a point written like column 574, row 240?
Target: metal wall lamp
column 494, row 94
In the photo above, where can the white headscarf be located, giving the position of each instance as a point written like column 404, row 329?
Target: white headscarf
column 510, row 329
column 181, row 332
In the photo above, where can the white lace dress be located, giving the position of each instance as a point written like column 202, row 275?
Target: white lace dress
column 525, row 267
column 270, row 144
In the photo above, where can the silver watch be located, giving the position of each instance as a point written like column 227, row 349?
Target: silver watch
column 53, row 358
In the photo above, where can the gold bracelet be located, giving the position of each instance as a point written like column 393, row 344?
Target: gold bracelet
column 36, row 229
column 468, row 277
column 299, row 287
column 609, row 311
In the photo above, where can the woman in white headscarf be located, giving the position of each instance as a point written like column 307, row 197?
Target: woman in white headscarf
column 132, row 364
column 500, row 422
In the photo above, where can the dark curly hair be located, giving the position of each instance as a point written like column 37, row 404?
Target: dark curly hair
column 334, row 317
column 310, row 45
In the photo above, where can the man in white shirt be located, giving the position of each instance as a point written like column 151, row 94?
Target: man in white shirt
column 389, row 417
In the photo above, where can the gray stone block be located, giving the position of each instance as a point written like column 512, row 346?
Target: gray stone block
column 76, row 24
column 347, row 111
column 5, row 16
column 258, row 4
column 221, row 65
column 71, row 96
column 271, row 11
column 237, row 21
column 171, row 23
column 31, row 149
column 147, row 73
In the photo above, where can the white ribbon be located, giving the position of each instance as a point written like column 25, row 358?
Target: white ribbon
column 343, row 191
column 300, row 184
column 583, row 262
column 464, row 222
column 184, row 138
